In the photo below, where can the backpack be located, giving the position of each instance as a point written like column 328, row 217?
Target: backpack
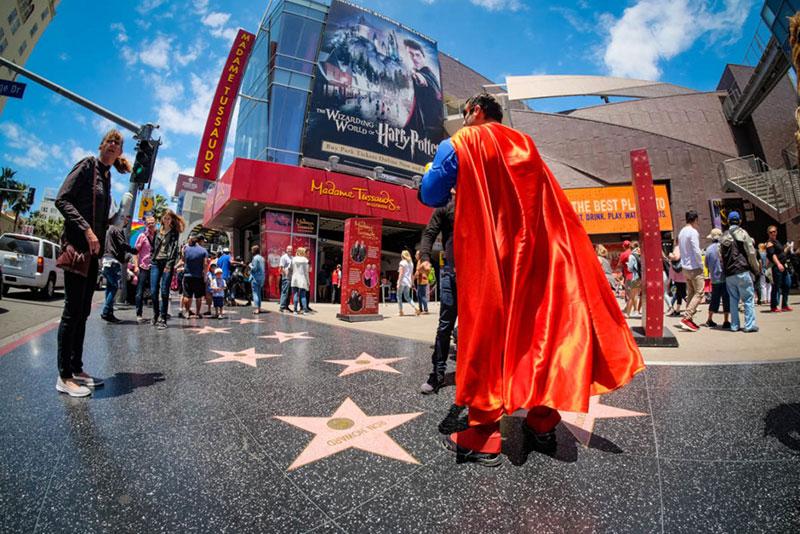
column 636, row 270
column 431, row 277
column 740, row 235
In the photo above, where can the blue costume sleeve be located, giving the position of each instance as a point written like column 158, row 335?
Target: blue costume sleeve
column 441, row 177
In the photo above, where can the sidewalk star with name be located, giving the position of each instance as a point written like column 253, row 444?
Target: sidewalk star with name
column 581, row 425
column 247, row 356
column 350, row 428
column 287, row 336
column 366, row 362
column 210, row 330
column 249, row 321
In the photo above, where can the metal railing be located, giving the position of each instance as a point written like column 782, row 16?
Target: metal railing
column 776, row 191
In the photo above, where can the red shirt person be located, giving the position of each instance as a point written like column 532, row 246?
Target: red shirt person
column 535, row 335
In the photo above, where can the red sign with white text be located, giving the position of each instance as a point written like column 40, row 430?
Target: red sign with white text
column 362, row 265
column 212, row 144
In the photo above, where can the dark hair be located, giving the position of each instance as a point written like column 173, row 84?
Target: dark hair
column 410, row 43
column 691, row 216
column 489, row 104
column 255, row 249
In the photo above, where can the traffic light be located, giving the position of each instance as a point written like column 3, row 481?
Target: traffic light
column 31, row 195
column 146, row 151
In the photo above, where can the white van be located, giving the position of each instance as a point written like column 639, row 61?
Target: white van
column 30, row 262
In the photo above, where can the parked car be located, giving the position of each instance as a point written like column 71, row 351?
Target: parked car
column 2, row 286
column 30, row 262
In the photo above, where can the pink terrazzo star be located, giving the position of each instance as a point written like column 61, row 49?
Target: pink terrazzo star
column 581, row 425
column 282, row 337
column 249, row 321
column 350, row 428
column 366, row 362
column 210, row 330
column 247, row 356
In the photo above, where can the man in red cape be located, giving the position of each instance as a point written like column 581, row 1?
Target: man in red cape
column 539, row 328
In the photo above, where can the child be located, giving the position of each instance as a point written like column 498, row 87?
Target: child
column 209, row 277
column 218, row 292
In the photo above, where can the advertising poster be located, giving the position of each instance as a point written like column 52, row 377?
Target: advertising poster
column 377, row 96
column 361, row 269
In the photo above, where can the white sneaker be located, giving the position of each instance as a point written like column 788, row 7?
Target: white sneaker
column 86, row 380
column 72, row 389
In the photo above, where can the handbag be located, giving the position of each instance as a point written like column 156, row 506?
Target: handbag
column 70, row 260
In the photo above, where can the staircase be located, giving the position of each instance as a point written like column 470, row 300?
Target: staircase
column 775, row 191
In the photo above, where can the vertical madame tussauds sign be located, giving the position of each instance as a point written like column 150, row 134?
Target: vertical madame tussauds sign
column 362, row 269
column 212, row 145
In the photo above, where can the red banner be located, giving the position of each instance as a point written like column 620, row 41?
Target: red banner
column 212, row 145
column 362, row 266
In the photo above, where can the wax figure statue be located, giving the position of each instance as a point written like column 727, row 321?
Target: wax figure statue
column 539, row 327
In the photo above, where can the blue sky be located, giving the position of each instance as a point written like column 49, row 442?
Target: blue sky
column 159, row 61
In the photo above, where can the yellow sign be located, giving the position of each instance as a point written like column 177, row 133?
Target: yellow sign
column 612, row 210
column 382, row 200
column 147, row 203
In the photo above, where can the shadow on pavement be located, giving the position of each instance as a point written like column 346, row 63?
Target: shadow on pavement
column 124, row 383
column 783, row 423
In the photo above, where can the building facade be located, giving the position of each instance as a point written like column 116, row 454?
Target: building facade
column 22, row 23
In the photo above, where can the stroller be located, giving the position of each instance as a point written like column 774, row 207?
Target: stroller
column 239, row 286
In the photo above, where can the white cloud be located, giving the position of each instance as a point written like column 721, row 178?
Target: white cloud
column 102, row 125
column 63, row 56
column 165, row 174
column 77, row 153
column 201, row 6
column 216, row 19
column 191, row 119
column 122, row 34
column 148, row 5
column 30, row 151
column 155, row 53
column 119, row 187
column 654, row 31
column 166, row 89
column 191, row 54
column 499, row 5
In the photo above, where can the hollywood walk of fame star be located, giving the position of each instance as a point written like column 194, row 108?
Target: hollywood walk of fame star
column 210, row 330
column 366, row 362
column 287, row 336
column 249, row 321
column 247, row 356
column 347, row 428
column 581, row 425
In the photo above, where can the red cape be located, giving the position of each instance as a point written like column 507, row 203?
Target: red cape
column 538, row 323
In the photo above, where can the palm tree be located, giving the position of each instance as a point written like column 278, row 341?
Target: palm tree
column 7, row 182
column 160, row 205
column 20, row 204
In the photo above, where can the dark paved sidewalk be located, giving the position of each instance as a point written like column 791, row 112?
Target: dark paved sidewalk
column 266, row 440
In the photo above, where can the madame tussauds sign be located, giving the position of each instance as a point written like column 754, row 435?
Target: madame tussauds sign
column 381, row 199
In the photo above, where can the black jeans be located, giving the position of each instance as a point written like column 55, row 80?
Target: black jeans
column 448, row 313
column 78, row 292
column 781, row 282
column 143, row 282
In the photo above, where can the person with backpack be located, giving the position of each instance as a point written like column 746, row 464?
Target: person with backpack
column 634, row 265
column 741, row 265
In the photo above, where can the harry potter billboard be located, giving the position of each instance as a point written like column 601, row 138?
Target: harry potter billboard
column 377, row 97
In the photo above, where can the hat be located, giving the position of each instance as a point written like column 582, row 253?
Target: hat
column 626, row 244
column 734, row 216
column 218, row 271
column 715, row 234
column 226, row 250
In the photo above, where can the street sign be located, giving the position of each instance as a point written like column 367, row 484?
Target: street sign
column 13, row 89
column 146, row 206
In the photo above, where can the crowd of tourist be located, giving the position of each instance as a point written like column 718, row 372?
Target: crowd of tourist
column 733, row 273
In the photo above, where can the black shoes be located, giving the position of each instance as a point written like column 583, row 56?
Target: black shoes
column 111, row 318
column 544, row 442
column 466, row 455
column 432, row 385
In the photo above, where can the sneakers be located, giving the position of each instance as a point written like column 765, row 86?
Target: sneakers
column 776, row 310
column 710, row 324
column 161, row 325
column 141, row 320
column 432, row 385
column 87, row 380
column 72, row 388
column 786, row 309
column 689, row 325
column 466, row 455
column 111, row 318
column 752, row 330
column 726, row 325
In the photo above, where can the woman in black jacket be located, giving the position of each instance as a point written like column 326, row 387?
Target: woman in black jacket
column 85, row 201
column 164, row 256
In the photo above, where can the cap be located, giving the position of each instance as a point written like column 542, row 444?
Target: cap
column 734, row 216
column 226, row 250
column 626, row 244
column 218, row 271
column 715, row 234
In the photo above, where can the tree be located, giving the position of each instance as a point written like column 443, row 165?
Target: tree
column 45, row 227
column 7, row 182
column 19, row 205
column 160, row 205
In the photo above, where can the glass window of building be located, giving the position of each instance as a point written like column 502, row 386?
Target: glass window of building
column 13, row 21
column 23, row 47
column 34, row 29
column 3, row 45
column 45, row 13
column 12, row 16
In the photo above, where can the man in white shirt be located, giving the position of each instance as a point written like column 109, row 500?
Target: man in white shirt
column 286, row 277
column 692, row 266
